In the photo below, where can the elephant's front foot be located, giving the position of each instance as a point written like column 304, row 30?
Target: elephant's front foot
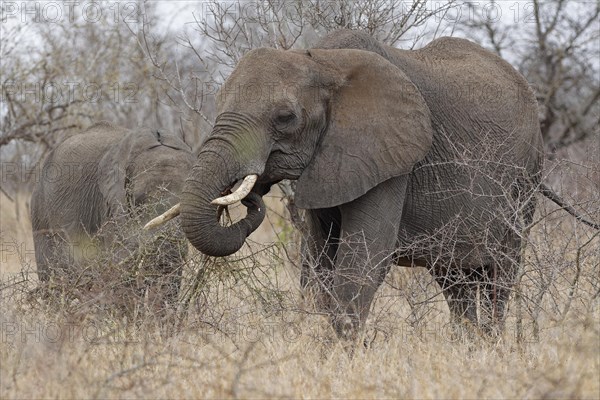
column 347, row 327
column 492, row 329
column 317, row 299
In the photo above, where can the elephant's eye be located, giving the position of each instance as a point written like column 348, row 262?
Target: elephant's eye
column 284, row 117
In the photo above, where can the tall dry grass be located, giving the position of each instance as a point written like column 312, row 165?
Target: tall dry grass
column 243, row 330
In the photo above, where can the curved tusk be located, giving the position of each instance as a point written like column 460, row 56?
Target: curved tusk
column 239, row 194
column 163, row 218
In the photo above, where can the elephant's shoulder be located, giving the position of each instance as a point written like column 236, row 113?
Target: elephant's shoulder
column 453, row 48
column 103, row 124
column 451, row 41
column 352, row 39
column 88, row 145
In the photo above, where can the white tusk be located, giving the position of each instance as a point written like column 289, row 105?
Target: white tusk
column 239, row 194
column 166, row 216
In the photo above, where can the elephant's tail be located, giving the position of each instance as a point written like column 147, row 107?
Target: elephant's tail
column 551, row 194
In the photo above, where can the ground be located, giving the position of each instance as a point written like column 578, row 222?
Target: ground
column 244, row 330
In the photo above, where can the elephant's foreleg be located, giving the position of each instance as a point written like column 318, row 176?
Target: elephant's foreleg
column 52, row 254
column 319, row 250
column 161, row 288
column 369, row 234
column 43, row 247
column 162, row 275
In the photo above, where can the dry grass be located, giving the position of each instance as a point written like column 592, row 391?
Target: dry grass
column 247, row 332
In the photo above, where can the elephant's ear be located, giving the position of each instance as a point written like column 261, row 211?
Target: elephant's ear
column 114, row 177
column 379, row 127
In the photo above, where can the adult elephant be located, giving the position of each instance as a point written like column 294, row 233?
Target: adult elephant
column 423, row 158
column 92, row 192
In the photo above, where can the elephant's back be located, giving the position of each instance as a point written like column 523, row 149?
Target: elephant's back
column 66, row 192
column 75, row 160
column 88, row 146
column 476, row 98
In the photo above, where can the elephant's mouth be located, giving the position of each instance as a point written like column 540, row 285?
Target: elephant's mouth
column 228, row 191
column 277, row 168
column 263, row 187
column 228, row 188
column 227, row 197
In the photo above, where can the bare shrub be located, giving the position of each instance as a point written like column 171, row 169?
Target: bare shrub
column 241, row 322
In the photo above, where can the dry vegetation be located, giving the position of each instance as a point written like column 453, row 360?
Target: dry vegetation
column 242, row 328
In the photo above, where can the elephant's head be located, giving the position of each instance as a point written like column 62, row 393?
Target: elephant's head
column 145, row 167
column 337, row 121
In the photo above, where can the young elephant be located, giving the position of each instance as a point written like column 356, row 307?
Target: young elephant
column 93, row 192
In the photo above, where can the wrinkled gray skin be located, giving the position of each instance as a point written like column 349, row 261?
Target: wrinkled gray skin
column 93, row 192
column 420, row 158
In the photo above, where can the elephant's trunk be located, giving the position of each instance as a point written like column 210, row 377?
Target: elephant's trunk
column 222, row 162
